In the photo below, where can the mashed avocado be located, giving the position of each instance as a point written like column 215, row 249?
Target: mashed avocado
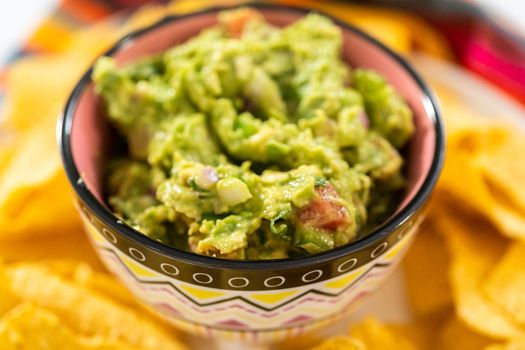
column 254, row 142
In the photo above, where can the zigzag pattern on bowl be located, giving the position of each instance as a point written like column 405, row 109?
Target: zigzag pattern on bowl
column 207, row 308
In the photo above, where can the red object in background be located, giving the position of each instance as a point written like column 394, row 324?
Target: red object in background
column 482, row 42
column 498, row 59
column 487, row 50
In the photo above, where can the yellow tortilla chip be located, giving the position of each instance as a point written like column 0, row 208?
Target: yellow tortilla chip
column 71, row 246
column 484, row 164
column 340, row 343
column 35, row 197
column 455, row 335
column 466, row 130
column 464, row 177
column 31, row 176
column 37, row 88
column 378, row 336
column 7, row 299
column 428, row 256
column 186, row 6
column 422, row 331
column 515, row 344
column 89, row 42
column 505, row 284
column 103, row 283
column 33, row 328
column 145, row 16
column 83, row 275
column 475, row 247
column 87, row 312
column 504, row 167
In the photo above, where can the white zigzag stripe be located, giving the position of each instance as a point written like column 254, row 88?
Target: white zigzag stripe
column 313, row 305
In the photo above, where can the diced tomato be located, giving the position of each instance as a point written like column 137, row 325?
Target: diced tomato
column 324, row 212
column 235, row 22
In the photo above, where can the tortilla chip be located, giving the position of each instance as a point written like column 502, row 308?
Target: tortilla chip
column 7, row 299
column 87, row 312
column 89, row 42
column 504, row 167
column 37, row 88
column 455, row 335
column 505, row 284
column 464, row 177
column 145, row 16
column 426, row 272
column 515, row 344
column 72, row 246
column 185, row 6
column 33, row 328
column 83, row 275
column 475, row 247
column 484, row 166
column 378, row 336
column 103, row 283
column 340, row 343
column 35, row 197
column 422, row 331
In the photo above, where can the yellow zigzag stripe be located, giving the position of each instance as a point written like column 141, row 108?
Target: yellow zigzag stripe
column 97, row 237
column 201, row 293
column 136, row 268
column 393, row 252
column 274, row 298
column 345, row 280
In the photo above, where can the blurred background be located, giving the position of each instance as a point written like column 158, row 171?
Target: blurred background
column 484, row 36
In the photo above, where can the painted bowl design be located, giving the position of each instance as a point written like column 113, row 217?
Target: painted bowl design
column 250, row 300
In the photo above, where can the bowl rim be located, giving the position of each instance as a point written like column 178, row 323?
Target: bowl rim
column 429, row 100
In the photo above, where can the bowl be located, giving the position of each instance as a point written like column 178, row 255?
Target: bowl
column 248, row 300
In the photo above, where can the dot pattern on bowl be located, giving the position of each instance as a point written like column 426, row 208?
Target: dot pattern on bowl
column 244, row 279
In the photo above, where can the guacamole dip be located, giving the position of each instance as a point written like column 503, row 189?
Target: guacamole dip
column 254, row 142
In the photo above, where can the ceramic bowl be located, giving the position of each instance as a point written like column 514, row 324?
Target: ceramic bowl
column 251, row 300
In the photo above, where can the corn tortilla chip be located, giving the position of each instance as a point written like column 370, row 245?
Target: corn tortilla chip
column 7, row 299
column 83, row 275
column 455, row 335
column 504, row 166
column 463, row 178
column 422, row 331
column 475, row 247
column 33, row 180
column 103, row 283
column 515, row 344
column 340, row 343
column 426, row 272
column 33, row 328
column 145, row 16
column 87, row 312
column 71, row 246
column 505, row 284
column 483, row 165
column 37, row 88
column 378, row 336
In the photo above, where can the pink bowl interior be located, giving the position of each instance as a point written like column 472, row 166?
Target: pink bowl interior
column 89, row 133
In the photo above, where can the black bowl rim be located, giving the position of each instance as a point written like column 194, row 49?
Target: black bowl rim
column 110, row 219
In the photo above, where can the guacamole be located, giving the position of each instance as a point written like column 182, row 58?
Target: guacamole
column 250, row 141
